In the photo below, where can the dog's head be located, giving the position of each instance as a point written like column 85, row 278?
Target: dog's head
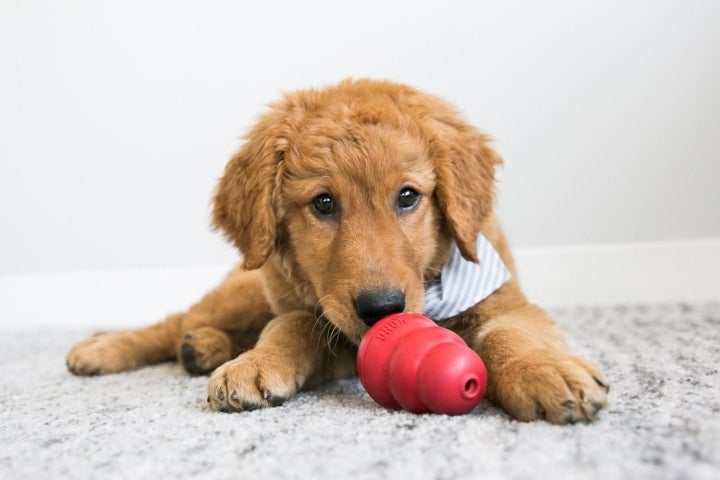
column 356, row 191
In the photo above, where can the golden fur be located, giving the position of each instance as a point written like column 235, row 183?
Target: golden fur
column 285, row 320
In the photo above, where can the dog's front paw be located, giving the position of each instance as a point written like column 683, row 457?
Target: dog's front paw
column 204, row 349
column 255, row 379
column 103, row 353
column 555, row 386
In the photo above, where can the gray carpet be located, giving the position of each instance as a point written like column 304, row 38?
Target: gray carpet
column 663, row 422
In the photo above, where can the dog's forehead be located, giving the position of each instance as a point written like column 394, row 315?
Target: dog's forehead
column 360, row 153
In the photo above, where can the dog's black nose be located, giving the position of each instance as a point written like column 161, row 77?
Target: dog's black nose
column 372, row 305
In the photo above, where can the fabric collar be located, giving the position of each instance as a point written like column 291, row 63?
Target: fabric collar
column 463, row 284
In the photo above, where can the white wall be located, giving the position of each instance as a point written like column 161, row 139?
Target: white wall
column 117, row 117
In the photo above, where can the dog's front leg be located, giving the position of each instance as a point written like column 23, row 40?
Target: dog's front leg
column 531, row 373
column 293, row 351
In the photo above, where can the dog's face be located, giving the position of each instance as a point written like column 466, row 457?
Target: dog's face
column 364, row 224
column 357, row 190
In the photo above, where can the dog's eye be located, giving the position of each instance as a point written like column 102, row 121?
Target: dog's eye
column 323, row 204
column 408, row 199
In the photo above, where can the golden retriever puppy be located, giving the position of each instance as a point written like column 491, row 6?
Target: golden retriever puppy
column 347, row 204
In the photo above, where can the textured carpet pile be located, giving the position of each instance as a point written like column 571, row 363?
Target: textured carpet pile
column 663, row 421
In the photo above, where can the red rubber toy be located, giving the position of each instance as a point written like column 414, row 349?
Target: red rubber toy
column 407, row 361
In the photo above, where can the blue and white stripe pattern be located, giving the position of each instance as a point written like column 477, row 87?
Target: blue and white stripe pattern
column 463, row 284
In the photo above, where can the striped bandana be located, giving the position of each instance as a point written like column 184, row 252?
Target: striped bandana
column 463, row 284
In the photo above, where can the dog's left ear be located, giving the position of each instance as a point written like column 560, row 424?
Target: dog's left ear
column 465, row 167
column 244, row 202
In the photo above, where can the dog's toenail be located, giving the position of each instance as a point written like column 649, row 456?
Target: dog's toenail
column 602, row 384
column 188, row 351
column 192, row 367
column 583, row 397
column 276, row 401
column 221, row 394
column 208, row 400
column 569, row 404
column 234, row 396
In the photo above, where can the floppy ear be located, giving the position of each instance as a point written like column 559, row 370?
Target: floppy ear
column 465, row 167
column 244, row 204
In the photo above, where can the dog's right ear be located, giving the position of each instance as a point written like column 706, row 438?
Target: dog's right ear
column 465, row 166
column 244, row 202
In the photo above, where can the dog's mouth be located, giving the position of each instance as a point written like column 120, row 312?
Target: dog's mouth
column 352, row 331
column 342, row 322
column 353, row 319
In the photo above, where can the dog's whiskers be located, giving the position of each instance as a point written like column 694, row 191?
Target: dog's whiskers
column 319, row 313
column 327, row 330
column 329, row 334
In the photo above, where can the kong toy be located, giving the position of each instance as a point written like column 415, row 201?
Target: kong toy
column 407, row 361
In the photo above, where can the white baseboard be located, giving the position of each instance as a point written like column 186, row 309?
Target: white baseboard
column 552, row 277
column 652, row 272
column 105, row 299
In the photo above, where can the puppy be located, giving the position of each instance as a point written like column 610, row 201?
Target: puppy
column 348, row 204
